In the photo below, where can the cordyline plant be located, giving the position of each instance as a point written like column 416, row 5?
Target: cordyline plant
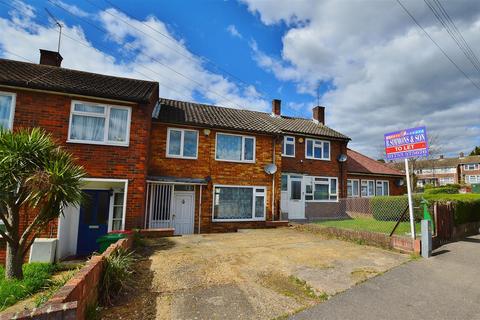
column 38, row 179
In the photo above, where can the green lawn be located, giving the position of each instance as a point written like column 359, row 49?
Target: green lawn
column 36, row 276
column 370, row 224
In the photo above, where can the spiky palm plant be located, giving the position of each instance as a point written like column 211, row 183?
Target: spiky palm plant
column 38, row 179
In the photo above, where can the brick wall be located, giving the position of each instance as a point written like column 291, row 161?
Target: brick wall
column 220, row 172
column 395, row 190
column 52, row 113
column 332, row 168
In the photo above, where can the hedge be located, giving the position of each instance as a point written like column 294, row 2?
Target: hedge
column 390, row 208
column 448, row 189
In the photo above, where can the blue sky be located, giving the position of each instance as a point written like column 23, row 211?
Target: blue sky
column 378, row 72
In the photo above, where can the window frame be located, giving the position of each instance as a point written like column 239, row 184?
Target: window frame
column 383, row 184
column 243, row 147
column 468, row 178
column 285, row 142
column 106, row 116
column 368, row 195
column 12, row 107
column 314, row 182
column 254, row 196
column 358, row 188
column 111, row 218
column 323, row 142
column 475, row 166
column 182, row 140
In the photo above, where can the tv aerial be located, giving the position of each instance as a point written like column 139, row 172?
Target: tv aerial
column 59, row 25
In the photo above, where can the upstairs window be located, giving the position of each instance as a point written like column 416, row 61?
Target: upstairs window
column 470, row 166
column 317, row 149
column 236, row 148
column 182, row 143
column 7, row 109
column 288, row 147
column 99, row 124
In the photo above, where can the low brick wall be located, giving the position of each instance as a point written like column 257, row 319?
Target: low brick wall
column 72, row 300
column 370, row 238
column 157, row 233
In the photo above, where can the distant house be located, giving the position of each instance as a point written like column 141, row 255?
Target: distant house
column 367, row 177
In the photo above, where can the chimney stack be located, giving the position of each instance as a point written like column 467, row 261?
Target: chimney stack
column 441, row 156
column 462, row 154
column 276, row 107
column 319, row 114
column 50, row 58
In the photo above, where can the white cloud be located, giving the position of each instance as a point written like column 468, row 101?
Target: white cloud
column 129, row 52
column 234, row 32
column 386, row 74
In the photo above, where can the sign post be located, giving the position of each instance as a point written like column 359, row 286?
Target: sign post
column 405, row 144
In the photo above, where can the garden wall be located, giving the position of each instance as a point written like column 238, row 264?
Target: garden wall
column 80, row 292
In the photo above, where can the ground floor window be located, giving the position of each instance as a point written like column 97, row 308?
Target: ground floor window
column 382, row 188
column 368, row 188
column 321, row 189
column 117, row 206
column 445, row 181
column 233, row 203
column 472, row 179
column 353, row 187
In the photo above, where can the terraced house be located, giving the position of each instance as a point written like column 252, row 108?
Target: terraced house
column 155, row 163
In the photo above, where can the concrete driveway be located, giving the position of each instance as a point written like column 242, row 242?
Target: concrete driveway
column 446, row 286
column 254, row 274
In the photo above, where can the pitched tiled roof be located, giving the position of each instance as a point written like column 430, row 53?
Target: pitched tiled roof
column 359, row 163
column 50, row 78
column 174, row 111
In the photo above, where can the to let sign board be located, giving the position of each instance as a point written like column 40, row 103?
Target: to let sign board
column 408, row 143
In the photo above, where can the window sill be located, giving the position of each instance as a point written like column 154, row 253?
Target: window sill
column 238, row 220
column 236, row 161
column 124, row 145
column 309, row 158
column 287, row 156
column 180, row 157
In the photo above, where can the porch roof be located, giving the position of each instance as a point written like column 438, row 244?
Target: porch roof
column 176, row 180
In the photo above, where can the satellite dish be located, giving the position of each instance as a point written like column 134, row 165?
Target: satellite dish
column 342, row 158
column 270, row 168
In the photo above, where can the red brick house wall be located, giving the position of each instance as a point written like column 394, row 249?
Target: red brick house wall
column 394, row 189
column 52, row 112
column 220, row 172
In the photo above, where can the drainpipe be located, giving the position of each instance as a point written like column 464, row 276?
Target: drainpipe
column 273, row 182
column 200, row 210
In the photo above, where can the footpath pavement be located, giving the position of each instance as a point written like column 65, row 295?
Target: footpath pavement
column 446, row 286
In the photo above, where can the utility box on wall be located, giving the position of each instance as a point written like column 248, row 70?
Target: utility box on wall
column 43, row 250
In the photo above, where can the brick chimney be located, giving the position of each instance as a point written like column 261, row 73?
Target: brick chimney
column 462, row 154
column 50, row 58
column 441, row 156
column 319, row 114
column 276, row 107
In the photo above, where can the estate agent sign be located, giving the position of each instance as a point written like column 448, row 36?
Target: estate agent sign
column 408, row 143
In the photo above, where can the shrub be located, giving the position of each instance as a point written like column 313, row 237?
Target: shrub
column 390, row 208
column 117, row 274
column 466, row 211
column 448, row 189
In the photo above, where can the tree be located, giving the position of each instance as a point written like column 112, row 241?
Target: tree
column 38, row 179
column 475, row 152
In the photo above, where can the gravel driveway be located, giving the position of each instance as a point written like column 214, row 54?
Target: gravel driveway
column 253, row 274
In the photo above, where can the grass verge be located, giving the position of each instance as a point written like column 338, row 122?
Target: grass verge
column 370, row 224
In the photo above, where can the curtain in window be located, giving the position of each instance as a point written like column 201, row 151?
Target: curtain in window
column 5, row 110
column 233, row 203
column 229, row 147
column 117, row 130
column 174, row 142
column 87, row 128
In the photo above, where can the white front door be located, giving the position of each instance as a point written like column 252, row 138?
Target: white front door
column 183, row 212
column 296, row 198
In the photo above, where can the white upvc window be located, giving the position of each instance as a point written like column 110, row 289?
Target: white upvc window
column 321, row 189
column 353, row 188
column 7, row 109
column 239, row 203
column 182, row 143
column 368, row 188
column 234, row 148
column 288, row 147
column 382, row 188
column 317, row 149
column 117, row 210
column 471, row 166
column 95, row 123
column 472, row 179
column 445, row 180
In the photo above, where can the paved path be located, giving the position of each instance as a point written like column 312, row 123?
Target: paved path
column 446, row 286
